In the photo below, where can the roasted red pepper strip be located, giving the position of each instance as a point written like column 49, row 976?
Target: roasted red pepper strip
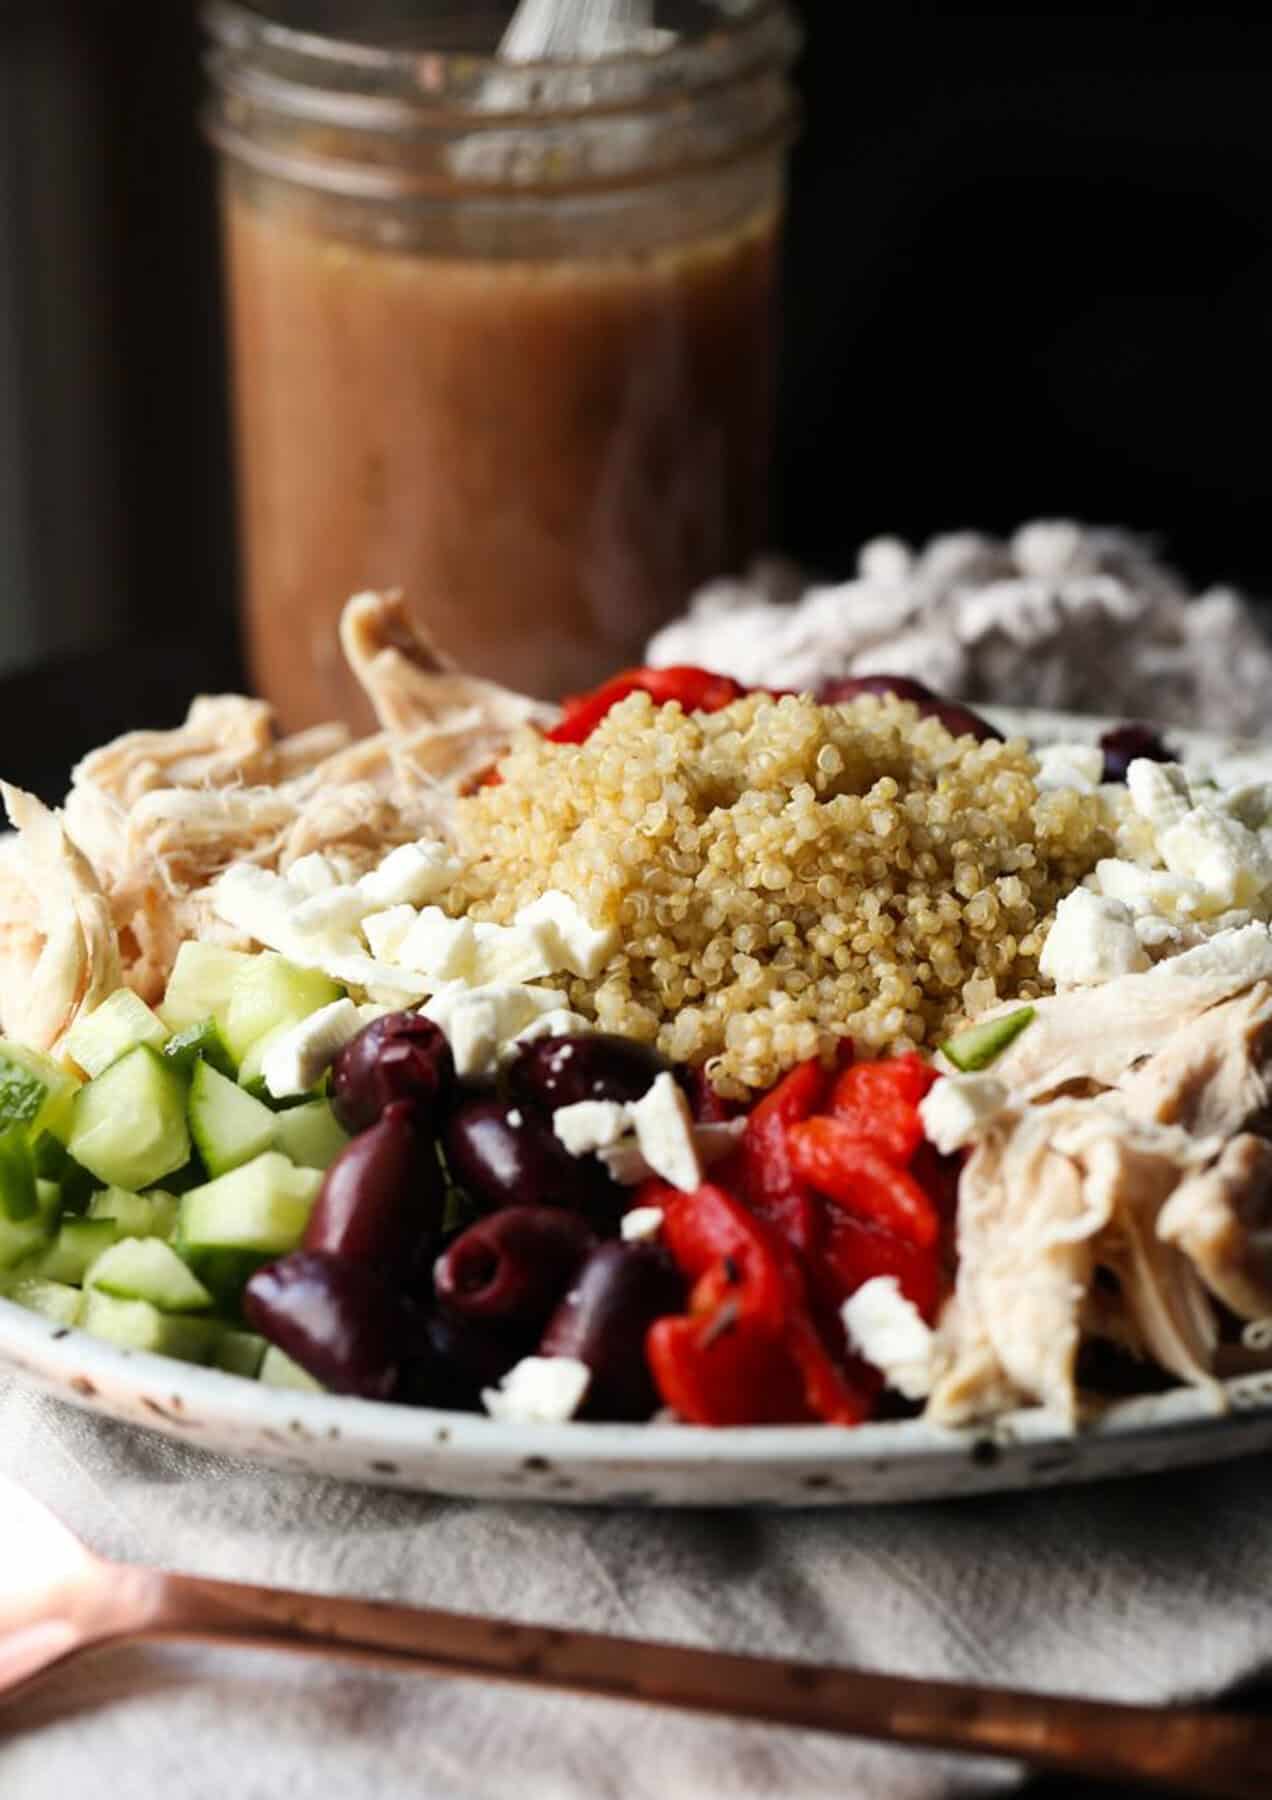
column 747, row 1280
column 856, row 1251
column 851, row 1171
column 774, row 1190
column 697, row 690
column 879, row 1101
column 711, row 1375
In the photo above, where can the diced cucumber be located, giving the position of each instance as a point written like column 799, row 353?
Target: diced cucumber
column 111, row 1030
column 137, row 1325
column 129, row 1126
column 17, row 1175
column 201, row 1040
column 268, row 992
column 148, row 1269
column 262, row 1207
column 199, row 985
column 249, row 1074
column 53, row 1300
column 240, row 1353
column 34, row 1091
column 224, row 1273
column 77, row 1246
column 310, row 1134
column 278, row 1370
column 137, row 1215
column 228, row 1127
column 53, row 1164
column 978, row 1046
column 26, row 1238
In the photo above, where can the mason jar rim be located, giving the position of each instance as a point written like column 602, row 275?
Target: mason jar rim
column 386, row 87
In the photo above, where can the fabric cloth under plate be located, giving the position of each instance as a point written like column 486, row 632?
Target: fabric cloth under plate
column 1148, row 1589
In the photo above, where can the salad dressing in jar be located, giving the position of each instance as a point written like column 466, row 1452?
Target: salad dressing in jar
column 502, row 334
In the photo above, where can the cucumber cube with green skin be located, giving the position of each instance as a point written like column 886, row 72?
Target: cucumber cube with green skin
column 310, row 1134
column 23, row 1241
column 224, row 1273
column 17, row 1175
column 52, row 1163
column 137, row 1325
column 137, row 1215
column 122, row 1021
column 34, row 1091
column 201, row 1040
column 268, row 992
column 240, row 1353
column 77, row 1246
column 199, row 985
column 262, row 1207
column 128, row 1126
column 148, row 1269
column 55, row 1301
column 278, row 1370
column 229, row 1128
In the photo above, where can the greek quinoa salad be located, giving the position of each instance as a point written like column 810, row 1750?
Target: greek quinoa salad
column 688, row 1051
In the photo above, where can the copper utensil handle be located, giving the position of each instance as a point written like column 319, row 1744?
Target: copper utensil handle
column 1224, row 1754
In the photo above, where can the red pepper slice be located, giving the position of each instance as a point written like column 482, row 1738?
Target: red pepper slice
column 856, row 1251
column 748, row 1281
column 774, row 1191
column 697, row 690
column 853, row 1172
column 879, row 1101
column 724, row 1375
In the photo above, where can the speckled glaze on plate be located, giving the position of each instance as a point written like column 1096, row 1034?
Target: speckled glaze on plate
column 429, row 1451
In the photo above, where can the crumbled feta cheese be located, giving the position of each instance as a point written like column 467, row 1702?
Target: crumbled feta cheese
column 312, row 874
column 628, row 1165
column 411, row 875
column 570, row 941
column 439, row 946
column 641, row 1224
column 384, row 931
column 1092, row 940
column 889, row 1331
column 1078, row 766
column 479, row 1022
column 1156, row 933
column 255, row 901
column 1158, row 791
column 1148, row 890
column 1222, row 855
column 336, row 911
column 509, row 953
column 1244, row 954
column 301, row 1056
column 956, row 1107
column 539, row 1390
column 590, row 1125
column 664, row 1132
column 560, row 1022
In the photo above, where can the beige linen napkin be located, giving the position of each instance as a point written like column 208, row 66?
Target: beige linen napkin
column 1148, row 1589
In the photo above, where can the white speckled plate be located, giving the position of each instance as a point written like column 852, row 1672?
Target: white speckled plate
column 654, row 1465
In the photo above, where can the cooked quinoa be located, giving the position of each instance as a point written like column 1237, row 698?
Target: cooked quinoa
column 783, row 873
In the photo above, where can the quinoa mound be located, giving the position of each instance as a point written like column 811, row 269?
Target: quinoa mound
column 784, row 874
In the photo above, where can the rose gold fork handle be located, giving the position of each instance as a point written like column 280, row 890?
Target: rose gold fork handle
column 1224, row 1754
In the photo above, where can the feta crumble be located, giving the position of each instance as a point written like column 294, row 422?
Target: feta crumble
column 889, row 1331
column 301, row 1056
column 957, row 1107
column 1092, row 940
column 539, row 1390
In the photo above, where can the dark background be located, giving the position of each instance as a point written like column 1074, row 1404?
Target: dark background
column 1029, row 271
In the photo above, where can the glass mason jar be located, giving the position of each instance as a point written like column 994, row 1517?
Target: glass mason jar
column 502, row 333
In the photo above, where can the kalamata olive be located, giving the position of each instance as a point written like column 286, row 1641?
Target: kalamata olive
column 959, row 721
column 383, row 1198
column 1124, row 743
column 618, row 1293
column 338, row 1319
column 841, row 688
column 511, row 1268
column 587, row 1065
column 507, row 1156
column 401, row 1056
column 453, row 1359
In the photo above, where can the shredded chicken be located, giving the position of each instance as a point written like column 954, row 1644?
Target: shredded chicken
column 1212, row 1077
column 1221, row 1219
column 78, row 962
column 153, row 818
